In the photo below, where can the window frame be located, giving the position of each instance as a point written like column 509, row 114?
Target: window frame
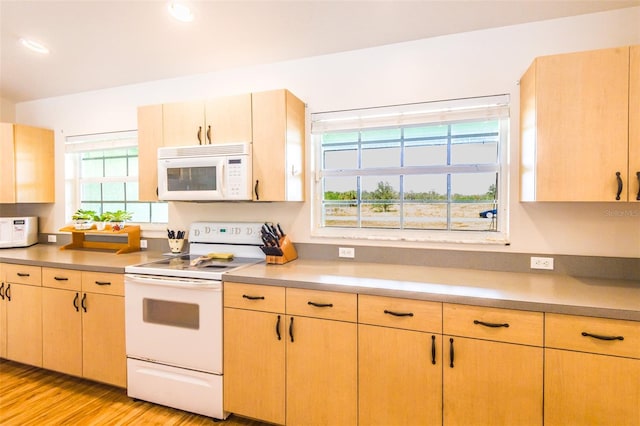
column 77, row 145
column 428, row 113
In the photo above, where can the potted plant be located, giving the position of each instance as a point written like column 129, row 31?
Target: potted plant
column 118, row 218
column 102, row 219
column 83, row 219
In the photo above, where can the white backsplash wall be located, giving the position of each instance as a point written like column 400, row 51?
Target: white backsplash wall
column 478, row 63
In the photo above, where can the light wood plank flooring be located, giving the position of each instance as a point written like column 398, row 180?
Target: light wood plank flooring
column 34, row 396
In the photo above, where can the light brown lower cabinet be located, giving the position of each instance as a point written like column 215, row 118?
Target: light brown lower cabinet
column 592, row 371
column 410, row 362
column 23, row 309
column 296, row 366
column 254, row 351
column 83, row 324
column 254, row 364
column 399, row 361
column 493, row 366
column 322, row 372
column 491, row 383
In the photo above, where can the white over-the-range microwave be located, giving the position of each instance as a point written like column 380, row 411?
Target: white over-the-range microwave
column 217, row 172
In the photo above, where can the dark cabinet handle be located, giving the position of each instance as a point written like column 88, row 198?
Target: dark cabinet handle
column 619, row 179
column 209, row 134
column 61, row 278
column 278, row 328
column 433, row 350
column 83, row 303
column 291, row 329
column 75, row 302
column 255, row 190
column 398, row 314
column 451, row 353
column 597, row 336
column 638, row 176
column 2, row 291
column 103, row 282
column 199, row 135
column 320, row 305
column 7, row 292
column 246, row 296
column 491, row 324
column 23, row 274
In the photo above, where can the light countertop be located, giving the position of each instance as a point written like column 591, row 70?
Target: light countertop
column 87, row 260
column 543, row 292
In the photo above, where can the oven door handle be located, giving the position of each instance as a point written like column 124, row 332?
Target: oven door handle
column 173, row 282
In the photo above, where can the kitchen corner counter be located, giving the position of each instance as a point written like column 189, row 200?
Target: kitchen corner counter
column 87, row 260
column 543, row 292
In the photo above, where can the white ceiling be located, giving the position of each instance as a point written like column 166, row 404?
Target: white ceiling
column 101, row 44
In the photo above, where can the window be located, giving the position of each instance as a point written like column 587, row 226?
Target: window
column 429, row 171
column 102, row 175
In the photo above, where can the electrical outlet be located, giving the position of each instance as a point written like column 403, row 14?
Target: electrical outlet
column 52, row 238
column 349, row 252
column 542, row 263
column 143, row 243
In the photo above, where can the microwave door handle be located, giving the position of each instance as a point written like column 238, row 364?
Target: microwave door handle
column 223, row 184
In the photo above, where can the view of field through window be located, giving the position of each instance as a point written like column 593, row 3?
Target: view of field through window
column 436, row 177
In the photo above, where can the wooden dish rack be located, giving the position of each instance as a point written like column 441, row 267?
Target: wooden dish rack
column 78, row 240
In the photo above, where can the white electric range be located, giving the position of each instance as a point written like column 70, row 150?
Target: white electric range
column 173, row 319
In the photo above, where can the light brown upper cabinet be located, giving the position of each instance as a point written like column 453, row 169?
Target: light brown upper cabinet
column 27, row 166
column 579, row 118
column 220, row 120
column 278, row 146
column 149, row 140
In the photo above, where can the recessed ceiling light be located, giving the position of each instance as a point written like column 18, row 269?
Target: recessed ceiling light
column 34, row 45
column 180, row 11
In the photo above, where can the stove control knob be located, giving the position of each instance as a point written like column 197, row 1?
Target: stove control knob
column 196, row 232
column 207, row 230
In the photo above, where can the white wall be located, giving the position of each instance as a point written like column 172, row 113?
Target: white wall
column 470, row 64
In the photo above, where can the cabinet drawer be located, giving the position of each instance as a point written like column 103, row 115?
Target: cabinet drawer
column 322, row 304
column 400, row 313
column 67, row 279
column 502, row 325
column 103, row 283
column 577, row 333
column 23, row 274
column 263, row 298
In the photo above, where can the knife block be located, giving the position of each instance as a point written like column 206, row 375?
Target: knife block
column 289, row 253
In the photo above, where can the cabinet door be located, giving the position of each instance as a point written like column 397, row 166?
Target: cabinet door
column 634, row 124
column 3, row 313
column 254, row 364
column 575, row 133
column 229, row 119
column 589, row 389
column 322, row 380
column 491, row 383
column 35, row 164
column 104, row 355
column 278, row 146
column 400, row 377
column 183, row 124
column 61, row 331
column 150, row 138
column 7, row 164
column 24, row 323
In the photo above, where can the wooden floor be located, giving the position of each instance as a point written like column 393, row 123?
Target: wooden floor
column 34, row 396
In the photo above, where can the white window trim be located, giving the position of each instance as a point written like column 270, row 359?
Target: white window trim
column 110, row 140
column 490, row 107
